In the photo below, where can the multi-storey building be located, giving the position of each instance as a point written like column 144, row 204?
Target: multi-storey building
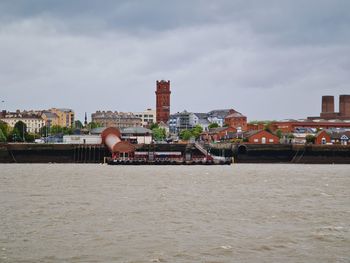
column 50, row 118
column 65, row 117
column 148, row 117
column 218, row 116
column 32, row 119
column 116, row 119
column 187, row 120
column 180, row 121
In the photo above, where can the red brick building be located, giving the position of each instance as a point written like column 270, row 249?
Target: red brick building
column 322, row 137
column 290, row 125
column 217, row 134
column 261, row 137
column 328, row 109
column 255, row 126
column 236, row 120
column 163, row 101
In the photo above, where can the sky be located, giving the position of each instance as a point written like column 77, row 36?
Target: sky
column 270, row 60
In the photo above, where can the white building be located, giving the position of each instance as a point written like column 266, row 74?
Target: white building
column 32, row 120
column 147, row 117
column 137, row 135
column 82, row 139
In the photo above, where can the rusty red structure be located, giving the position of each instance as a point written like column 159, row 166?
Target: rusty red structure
column 111, row 137
column 163, row 101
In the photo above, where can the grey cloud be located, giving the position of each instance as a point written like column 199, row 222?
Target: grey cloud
column 263, row 59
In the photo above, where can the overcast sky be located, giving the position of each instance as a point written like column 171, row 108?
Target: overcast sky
column 266, row 59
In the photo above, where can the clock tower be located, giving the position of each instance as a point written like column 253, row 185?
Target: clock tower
column 163, row 101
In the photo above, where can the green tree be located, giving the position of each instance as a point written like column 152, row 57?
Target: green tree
column 78, row 124
column 159, row 134
column 56, row 129
column 93, row 125
column 2, row 136
column 310, row 138
column 185, row 135
column 21, row 129
column 4, row 128
column 67, row 131
column 30, row 137
column 279, row 133
column 14, row 136
column 291, row 136
column 196, row 131
column 213, row 125
column 44, row 131
column 154, row 125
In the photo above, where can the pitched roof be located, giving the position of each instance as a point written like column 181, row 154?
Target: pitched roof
column 235, row 115
column 338, row 135
column 253, row 132
column 50, row 114
column 220, row 113
column 217, row 130
column 201, row 115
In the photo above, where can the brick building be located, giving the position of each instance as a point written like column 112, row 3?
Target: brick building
column 323, row 137
column 116, row 119
column 288, row 126
column 163, row 101
column 236, row 120
column 261, row 137
column 328, row 109
column 218, row 134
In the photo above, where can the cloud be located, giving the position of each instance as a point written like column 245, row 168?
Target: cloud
column 269, row 61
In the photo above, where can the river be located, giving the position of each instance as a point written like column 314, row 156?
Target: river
column 237, row 213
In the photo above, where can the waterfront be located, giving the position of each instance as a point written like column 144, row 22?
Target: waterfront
column 237, row 213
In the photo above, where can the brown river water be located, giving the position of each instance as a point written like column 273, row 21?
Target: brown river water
column 238, row 213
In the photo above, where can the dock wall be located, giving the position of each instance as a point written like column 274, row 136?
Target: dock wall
column 241, row 153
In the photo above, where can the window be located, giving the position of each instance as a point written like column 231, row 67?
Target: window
column 270, row 140
column 256, row 140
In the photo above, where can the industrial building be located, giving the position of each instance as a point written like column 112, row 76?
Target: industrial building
column 328, row 108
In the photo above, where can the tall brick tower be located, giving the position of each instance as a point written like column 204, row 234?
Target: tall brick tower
column 327, row 104
column 163, row 101
column 344, row 105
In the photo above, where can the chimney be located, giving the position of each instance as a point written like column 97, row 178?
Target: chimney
column 344, row 106
column 327, row 104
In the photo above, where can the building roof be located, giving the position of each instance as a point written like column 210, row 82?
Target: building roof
column 201, row 115
column 218, row 129
column 253, row 132
column 338, row 135
column 235, row 115
column 97, row 130
column 220, row 113
column 21, row 115
column 65, row 110
column 204, row 121
column 114, row 115
column 162, row 124
column 136, row 130
column 50, row 114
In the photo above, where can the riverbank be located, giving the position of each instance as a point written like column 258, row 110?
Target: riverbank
column 244, row 153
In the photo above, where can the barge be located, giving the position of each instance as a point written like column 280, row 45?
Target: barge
column 125, row 153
